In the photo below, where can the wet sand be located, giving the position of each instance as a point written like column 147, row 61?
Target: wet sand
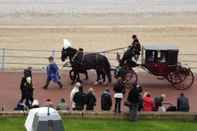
column 97, row 25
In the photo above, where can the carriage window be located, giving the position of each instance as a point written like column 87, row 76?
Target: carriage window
column 162, row 56
column 151, row 56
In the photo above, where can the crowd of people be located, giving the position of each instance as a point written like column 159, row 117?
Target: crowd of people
column 86, row 101
column 80, row 100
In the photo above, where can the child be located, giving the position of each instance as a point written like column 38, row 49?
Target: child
column 52, row 73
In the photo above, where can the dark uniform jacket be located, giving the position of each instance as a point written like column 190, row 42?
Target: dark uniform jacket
column 90, row 101
column 134, row 95
column 137, row 47
column 106, row 101
column 80, row 100
column 183, row 104
column 26, row 88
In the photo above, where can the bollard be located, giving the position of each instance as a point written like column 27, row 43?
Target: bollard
column 2, row 60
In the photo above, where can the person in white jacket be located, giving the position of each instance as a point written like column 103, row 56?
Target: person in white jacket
column 72, row 93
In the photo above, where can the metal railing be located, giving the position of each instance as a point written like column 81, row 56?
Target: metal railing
column 21, row 58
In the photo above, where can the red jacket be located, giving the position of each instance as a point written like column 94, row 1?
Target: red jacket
column 148, row 104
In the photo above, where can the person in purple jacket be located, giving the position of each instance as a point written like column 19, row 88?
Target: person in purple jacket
column 52, row 73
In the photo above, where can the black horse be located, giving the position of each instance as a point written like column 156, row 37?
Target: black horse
column 89, row 61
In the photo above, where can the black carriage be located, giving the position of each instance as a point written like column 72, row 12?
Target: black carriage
column 162, row 60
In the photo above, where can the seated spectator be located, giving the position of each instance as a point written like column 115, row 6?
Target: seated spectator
column 119, row 91
column 49, row 103
column 72, row 93
column 80, row 99
column 35, row 104
column 148, row 102
column 183, row 103
column 62, row 105
column 106, row 100
column 90, row 100
column 158, row 102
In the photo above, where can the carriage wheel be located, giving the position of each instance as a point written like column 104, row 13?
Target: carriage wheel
column 181, row 80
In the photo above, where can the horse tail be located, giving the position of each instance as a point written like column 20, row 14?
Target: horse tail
column 107, row 69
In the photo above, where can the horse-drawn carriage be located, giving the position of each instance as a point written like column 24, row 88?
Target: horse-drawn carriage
column 162, row 60
column 159, row 60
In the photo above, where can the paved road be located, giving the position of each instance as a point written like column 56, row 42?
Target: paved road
column 10, row 93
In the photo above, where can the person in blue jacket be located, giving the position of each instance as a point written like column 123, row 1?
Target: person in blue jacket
column 52, row 73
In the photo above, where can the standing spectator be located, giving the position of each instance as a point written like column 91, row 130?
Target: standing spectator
column 52, row 73
column 72, row 94
column 29, row 71
column 148, row 102
column 158, row 102
column 141, row 103
column 134, row 100
column 183, row 103
column 90, row 100
column 106, row 100
column 80, row 99
column 119, row 89
column 62, row 105
column 26, row 89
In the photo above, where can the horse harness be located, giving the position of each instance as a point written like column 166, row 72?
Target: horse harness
column 75, row 55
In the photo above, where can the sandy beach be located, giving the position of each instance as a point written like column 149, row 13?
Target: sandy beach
column 97, row 25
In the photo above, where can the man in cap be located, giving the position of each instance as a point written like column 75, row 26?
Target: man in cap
column 52, row 73
column 136, row 46
column 132, row 54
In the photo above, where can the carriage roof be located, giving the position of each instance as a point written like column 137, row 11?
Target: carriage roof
column 160, row 47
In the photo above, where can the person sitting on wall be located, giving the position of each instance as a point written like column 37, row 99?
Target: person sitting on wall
column 106, row 100
column 62, row 105
column 183, row 103
column 90, row 100
column 158, row 103
column 80, row 99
